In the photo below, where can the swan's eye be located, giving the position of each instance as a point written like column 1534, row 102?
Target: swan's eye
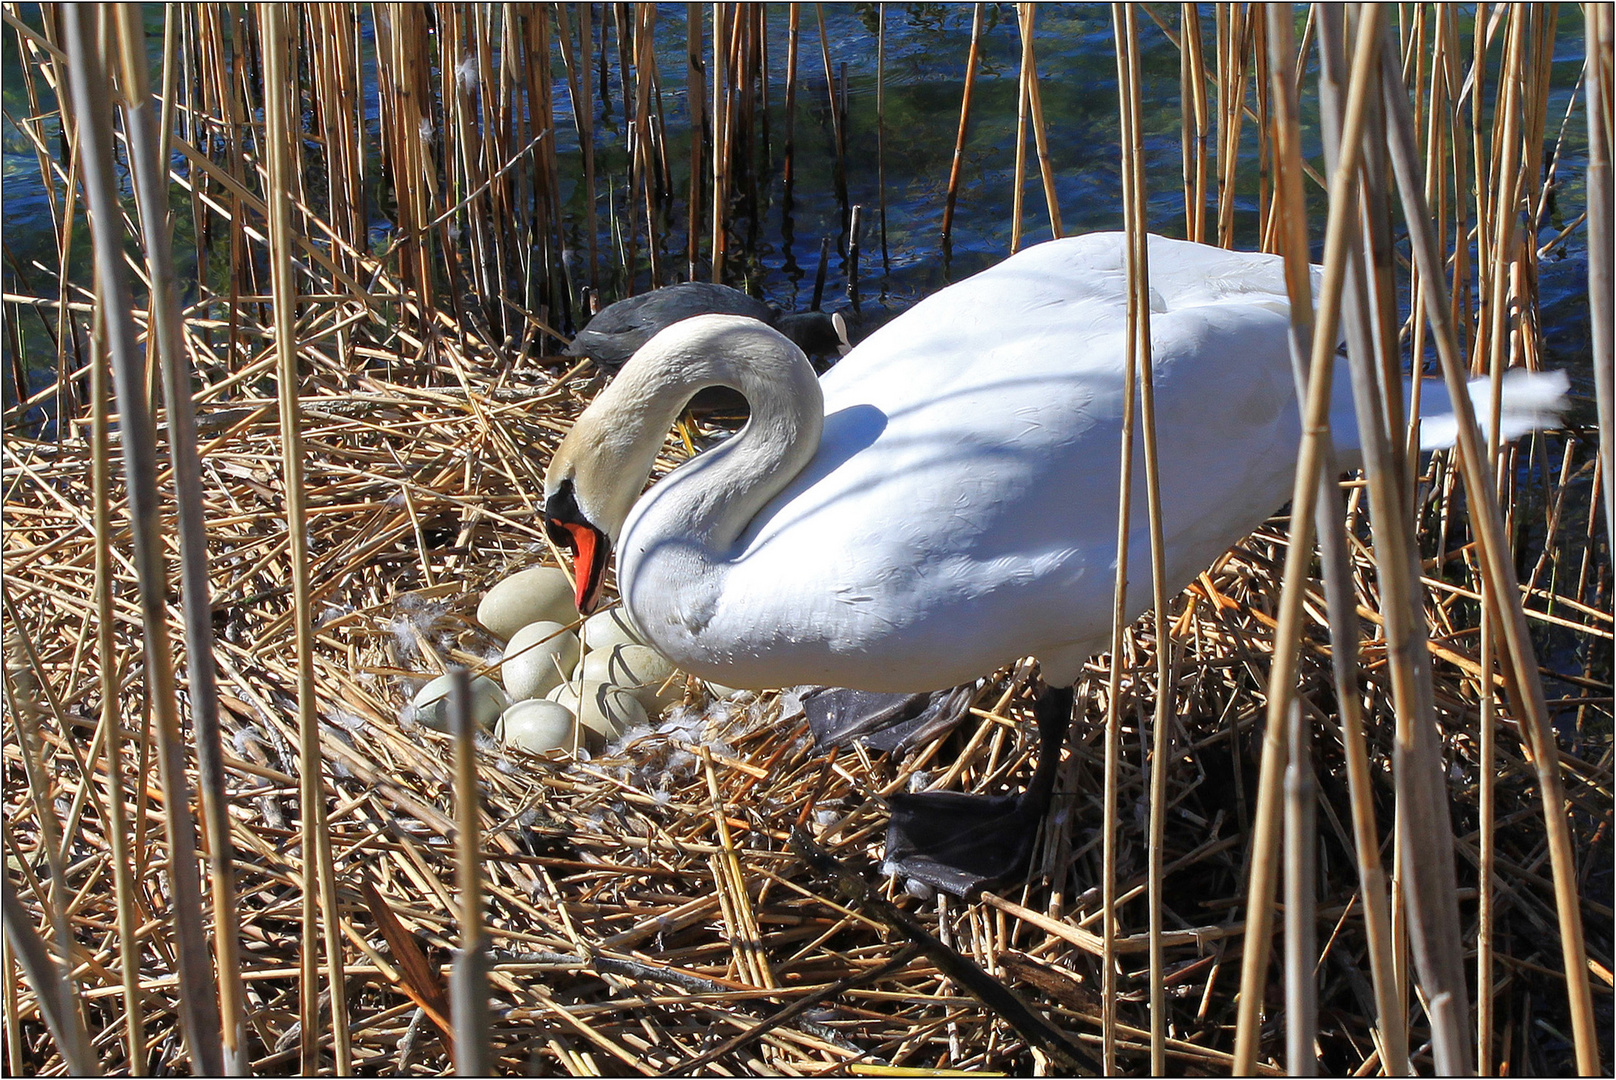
column 560, row 511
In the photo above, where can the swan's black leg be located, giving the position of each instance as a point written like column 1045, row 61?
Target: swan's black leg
column 883, row 722
column 961, row 843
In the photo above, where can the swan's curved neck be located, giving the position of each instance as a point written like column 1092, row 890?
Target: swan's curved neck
column 715, row 497
column 610, row 451
column 677, row 542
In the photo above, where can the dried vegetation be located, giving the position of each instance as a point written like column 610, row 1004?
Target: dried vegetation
column 645, row 911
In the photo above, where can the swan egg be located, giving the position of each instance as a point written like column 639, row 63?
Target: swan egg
column 539, row 656
column 605, row 713
column 431, row 702
column 536, row 594
column 638, row 669
column 606, row 629
column 536, row 726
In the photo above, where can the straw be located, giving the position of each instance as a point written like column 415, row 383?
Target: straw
column 642, row 909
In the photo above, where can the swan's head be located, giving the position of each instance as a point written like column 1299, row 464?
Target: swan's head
column 603, row 462
column 588, row 491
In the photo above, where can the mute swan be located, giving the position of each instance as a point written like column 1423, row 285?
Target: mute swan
column 944, row 500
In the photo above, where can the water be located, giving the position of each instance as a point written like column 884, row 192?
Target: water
column 926, row 49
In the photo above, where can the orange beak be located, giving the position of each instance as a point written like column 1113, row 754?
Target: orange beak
column 585, row 574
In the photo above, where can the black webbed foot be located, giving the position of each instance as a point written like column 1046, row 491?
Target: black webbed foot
column 962, row 843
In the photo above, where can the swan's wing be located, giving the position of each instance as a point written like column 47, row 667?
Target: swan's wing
column 962, row 509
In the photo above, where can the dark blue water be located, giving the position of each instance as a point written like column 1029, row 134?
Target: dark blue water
column 777, row 255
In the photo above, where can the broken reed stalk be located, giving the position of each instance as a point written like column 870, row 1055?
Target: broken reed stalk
column 92, row 98
column 148, row 176
column 1035, row 103
column 1135, row 199
column 1520, row 666
column 319, row 880
column 971, row 58
column 1283, row 668
column 1330, row 526
column 1023, row 104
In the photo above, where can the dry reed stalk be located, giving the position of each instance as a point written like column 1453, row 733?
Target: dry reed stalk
column 1520, row 669
column 971, row 59
column 648, row 136
column 469, row 987
column 838, row 118
column 1289, row 236
column 1036, row 104
column 1330, row 527
column 1135, row 200
column 695, row 98
column 57, row 1000
column 60, row 995
column 314, row 838
column 90, row 92
column 201, row 683
column 1024, row 77
column 1282, row 675
column 1423, row 830
column 1487, row 813
column 722, row 39
column 1597, row 84
column 881, row 128
column 1494, row 306
column 1113, row 718
column 1301, row 939
column 1232, row 73
column 1192, row 142
column 110, row 722
column 1424, row 837
column 793, row 40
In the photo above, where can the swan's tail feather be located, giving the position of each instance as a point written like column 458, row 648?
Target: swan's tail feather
column 1530, row 401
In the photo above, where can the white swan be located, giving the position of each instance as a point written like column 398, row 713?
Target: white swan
column 944, row 500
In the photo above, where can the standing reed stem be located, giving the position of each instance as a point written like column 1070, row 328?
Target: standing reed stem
column 319, row 880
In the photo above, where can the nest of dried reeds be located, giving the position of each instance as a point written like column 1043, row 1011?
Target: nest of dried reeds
column 645, row 909
column 706, row 896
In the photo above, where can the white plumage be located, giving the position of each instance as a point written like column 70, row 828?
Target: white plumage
column 959, row 510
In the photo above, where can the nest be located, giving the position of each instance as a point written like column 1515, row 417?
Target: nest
column 647, row 910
